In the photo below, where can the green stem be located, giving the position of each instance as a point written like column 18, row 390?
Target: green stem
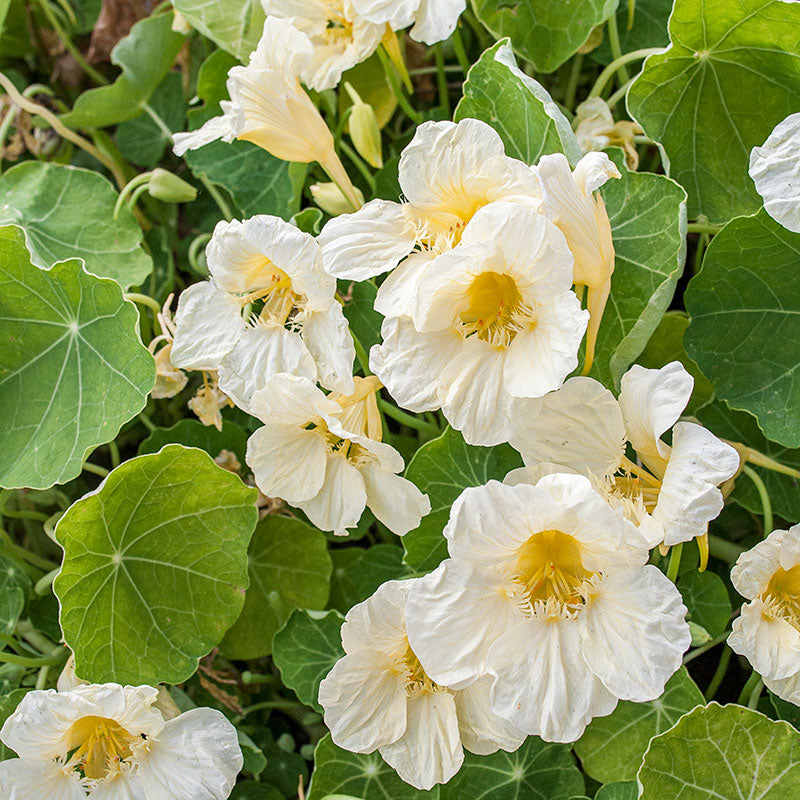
column 441, row 81
column 616, row 48
column 160, row 124
column 147, row 422
column 760, row 460
column 140, row 190
column 723, row 549
column 608, row 73
column 222, row 204
column 44, row 583
column 574, row 78
column 461, row 52
column 199, row 241
column 24, row 661
column 407, row 419
column 361, row 354
column 134, row 183
column 41, row 678
column 619, row 94
column 45, row 565
column 391, row 76
column 755, row 695
column 703, row 227
column 95, row 469
column 271, row 704
column 144, row 300
column 749, row 688
column 702, row 243
column 360, row 165
column 766, row 503
column 719, row 674
column 113, row 452
column 698, row 651
column 674, row 561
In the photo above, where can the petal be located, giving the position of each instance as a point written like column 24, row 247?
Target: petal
column 771, row 645
column 532, row 475
column 436, row 20
column 790, row 548
column 327, row 337
column 340, row 502
column 652, row 400
column 367, row 243
column 196, row 757
column 397, row 295
column 579, row 426
column 482, row 731
column 39, row 779
column 208, row 324
column 634, row 632
column 364, row 700
column 395, row 501
column 379, row 622
column 263, row 351
column 786, row 688
column 429, row 752
column 689, row 498
column 755, row 567
column 775, row 170
column 593, row 170
column 454, row 614
column 398, row 14
column 282, row 48
column 220, row 127
column 544, row 686
column 291, row 400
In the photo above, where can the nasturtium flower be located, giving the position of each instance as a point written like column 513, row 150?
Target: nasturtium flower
column 378, row 697
column 672, row 494
column 341, row 37
column 269, row 307
column 571, row 202
column 434, row 20
column 767, row 632
column 493, row 320
column 324, row 455
column 596, row 130
column 548, row 590
column 111, row 742
column 270, row 108
column 775, row 170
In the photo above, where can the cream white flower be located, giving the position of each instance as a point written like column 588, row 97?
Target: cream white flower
column 493, row 320
column 447, row 173
column 775, row 170
column 378, row 697
column 580, row 214
column 596, row 130
column 341, row 37
column 434, row 20
column 299, row 328
column 269, row 107
column 767, row 632
column 583, row 428
column 548, row 590
column 324, row 455
column 111, row 742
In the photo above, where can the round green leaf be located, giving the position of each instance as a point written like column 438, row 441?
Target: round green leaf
column 289, row 568
column 234, row 25
column 305, row 650
column 15, row 586
column 707, row 599
column 744, row 307
column 72, row 367
column 726, row 60
column 155, row 567
column 442, row 468
column 8, row 705
column 612, row 747
column 723, row 752
column 649, row 28
column 67, row 212
column 359, row 571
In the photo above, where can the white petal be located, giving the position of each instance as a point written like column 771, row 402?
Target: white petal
column 364, row 701
column 790, row 548
column 340, row 502
column 395, row 501
column 634, row 632
column 196, row 757
column 367, row 243
column 689, row 498
column 208, row 324
column 786, row 688
column 775, row 170
column 282, row 48
column 436, row 20
column 291, row 400
column 398, row 14
column 454, row 614
column 397, row 295
column 263, row 351
column 220, row 127
column 379, row 622
column 429, row 752
column 544, row 686
column 652, row 400
column 771, row 645
column 593, row 170
column 755, row 567
column 38, row 779
column 579, row 426
column 532, row 475
column 327, row 337
column 482, row 731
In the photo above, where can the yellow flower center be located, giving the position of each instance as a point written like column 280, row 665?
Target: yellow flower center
column 417, row 679
column 550, row 568
column 338, row 29
column 495, row 309
column 782, row 595
column 100, row 745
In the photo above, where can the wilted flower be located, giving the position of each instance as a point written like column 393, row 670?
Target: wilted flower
column 548, row 590
column 378, row 697
column 434, row 20
column 324, row 455
column 209, row 400
column 169, row 379
column 112, row 742
column 596, row 130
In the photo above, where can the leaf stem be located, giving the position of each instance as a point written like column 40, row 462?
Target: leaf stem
column 24, row 661
column 719, row 674
column 703, row 227
column 461, row 52
column 766, row 503
column 616, row 48
column 360, row 164
column 750, row 687
column 724, row 550
column 144, row 300
column 760, row 460
column 608, row 73
column 574, row 78
column 221, row 202
column 95, row 469
column 704, row 648
column 674, row 561
column 407, row 419
column 43, row 564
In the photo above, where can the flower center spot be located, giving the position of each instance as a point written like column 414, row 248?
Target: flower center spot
column 99, row 745
column 495, row 306
column 338, row 29
column 417, row 679
column 782, row 595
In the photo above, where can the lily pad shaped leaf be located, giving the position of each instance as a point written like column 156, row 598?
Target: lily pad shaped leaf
column 723, row 752
column 72, row 367
column 234, row 25
column 155, row 567
column 744, row 309
column 726, row 60
column 67, row 212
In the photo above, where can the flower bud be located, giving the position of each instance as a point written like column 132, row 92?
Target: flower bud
column 699, row 634
column 364, row 129
column 170, row 188
column 329, row 197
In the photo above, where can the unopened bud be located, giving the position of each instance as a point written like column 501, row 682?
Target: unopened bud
column 179, row 23
column 364, row 129
column 329, row 197
column 699, row 634
column 170, row 188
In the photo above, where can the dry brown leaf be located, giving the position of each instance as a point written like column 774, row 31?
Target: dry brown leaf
column 116, row 19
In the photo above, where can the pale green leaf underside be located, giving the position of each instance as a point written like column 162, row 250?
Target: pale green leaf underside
column 744, row 309
column 730, row 75
column 72, row 368
column 155, row 567
column 234, row 25
column 67, row 212
column 728, row 752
